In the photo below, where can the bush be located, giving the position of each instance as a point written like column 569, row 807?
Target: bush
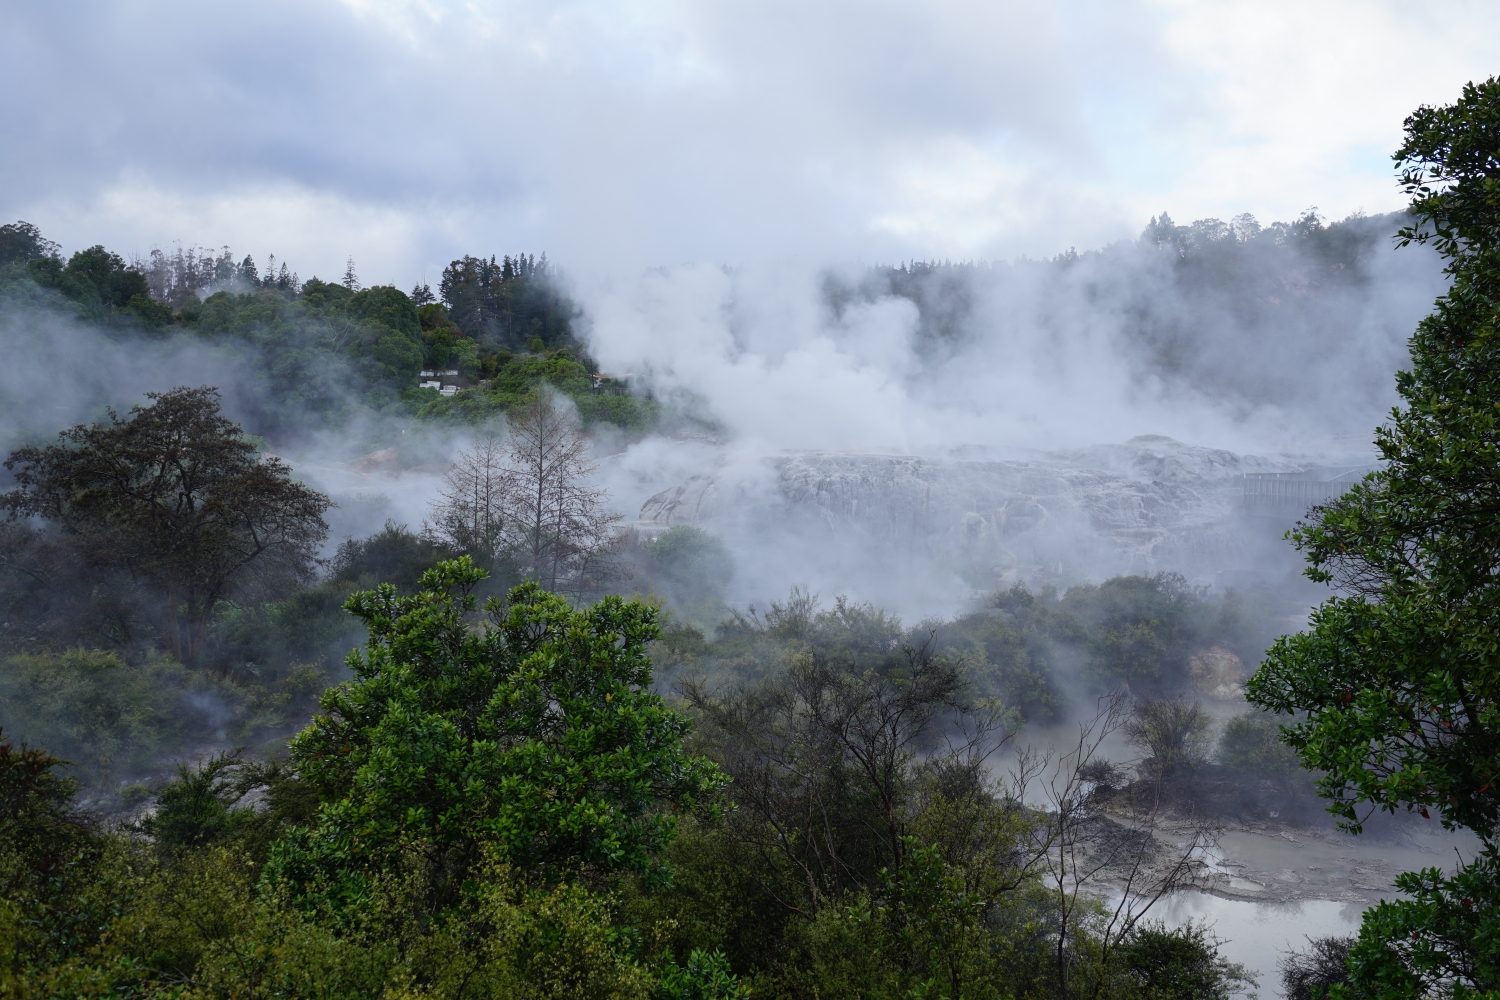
column 395, row 554
column 1138, row 629
column 692, row 568
column 1310, row 974
column 107, row 717
column 706, row 976
column 1182, row 963
column 1173, row 732
column 1251, row 744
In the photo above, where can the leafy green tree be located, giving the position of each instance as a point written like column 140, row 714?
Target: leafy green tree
column 1399, row 679
column 111, row 718
column 21, row 242
column 53, row 908
column 395, row 554
column 706, row 976
column 536, row 738
column 509, row 303
column 1137, row 629
column 1181, row 963
column 1250, row 744
column 179, row 497
column 693, row 568
column 388, row 306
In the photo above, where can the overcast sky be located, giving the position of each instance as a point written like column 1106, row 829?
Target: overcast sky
column 621, row 135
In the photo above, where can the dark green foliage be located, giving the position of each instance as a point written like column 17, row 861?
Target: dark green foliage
column 1400, row 681
column 1398, row 678
column 536, row 738
column 178, row 499
column 198, row 807
column 631, row 413
column 1251, row 744
column 206, row 806
column 110, row 718
column 22, row 243
column 313, row 353
column 51, row 904
column 95, row 284
column 512, row 379
column 489, row 811
column 1021, row 651
column 96, row 275
column 316, row 352
column 692, row 569
column 1137, row 629
column 1180, row 963
column 1442, row 940
column 507, row 305
column 706, row 976
column 394, row 555
column 387, row 306
column 1011, row 649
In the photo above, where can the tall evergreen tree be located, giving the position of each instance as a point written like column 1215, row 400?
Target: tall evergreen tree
column 1399, row 677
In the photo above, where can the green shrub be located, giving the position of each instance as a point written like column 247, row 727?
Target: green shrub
column 693, row 569
column 1251, row 744
column 109, row 718
column 1181, row 963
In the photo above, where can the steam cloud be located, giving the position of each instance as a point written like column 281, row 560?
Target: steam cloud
column 1030, row 361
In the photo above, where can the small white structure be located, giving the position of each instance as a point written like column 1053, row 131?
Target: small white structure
column 426, row 374
column 432, row 385
column 448, row 390
column 450, row 371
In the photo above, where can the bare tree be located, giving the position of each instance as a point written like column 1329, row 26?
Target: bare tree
column 1082, row 849
column 557, row 523
column 529, row 496
column 470, row 511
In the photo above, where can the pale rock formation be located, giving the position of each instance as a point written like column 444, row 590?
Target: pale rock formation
column 1149, row 505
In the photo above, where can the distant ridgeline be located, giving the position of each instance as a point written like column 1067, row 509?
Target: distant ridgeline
column 319, row 350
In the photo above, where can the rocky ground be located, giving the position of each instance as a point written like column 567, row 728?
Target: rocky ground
column 1270, row 863
column 1147, row 505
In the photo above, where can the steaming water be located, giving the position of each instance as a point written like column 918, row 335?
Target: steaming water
column 1258, row 934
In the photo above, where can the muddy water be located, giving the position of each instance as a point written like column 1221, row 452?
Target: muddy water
column 1266, row 888
column 1257, row 935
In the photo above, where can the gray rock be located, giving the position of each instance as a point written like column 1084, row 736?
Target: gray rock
column 1151, row 504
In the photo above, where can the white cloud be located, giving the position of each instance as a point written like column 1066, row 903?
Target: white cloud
column 616, row 136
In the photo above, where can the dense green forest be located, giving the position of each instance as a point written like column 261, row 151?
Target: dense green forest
column 314, row 354
column 498, row 803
